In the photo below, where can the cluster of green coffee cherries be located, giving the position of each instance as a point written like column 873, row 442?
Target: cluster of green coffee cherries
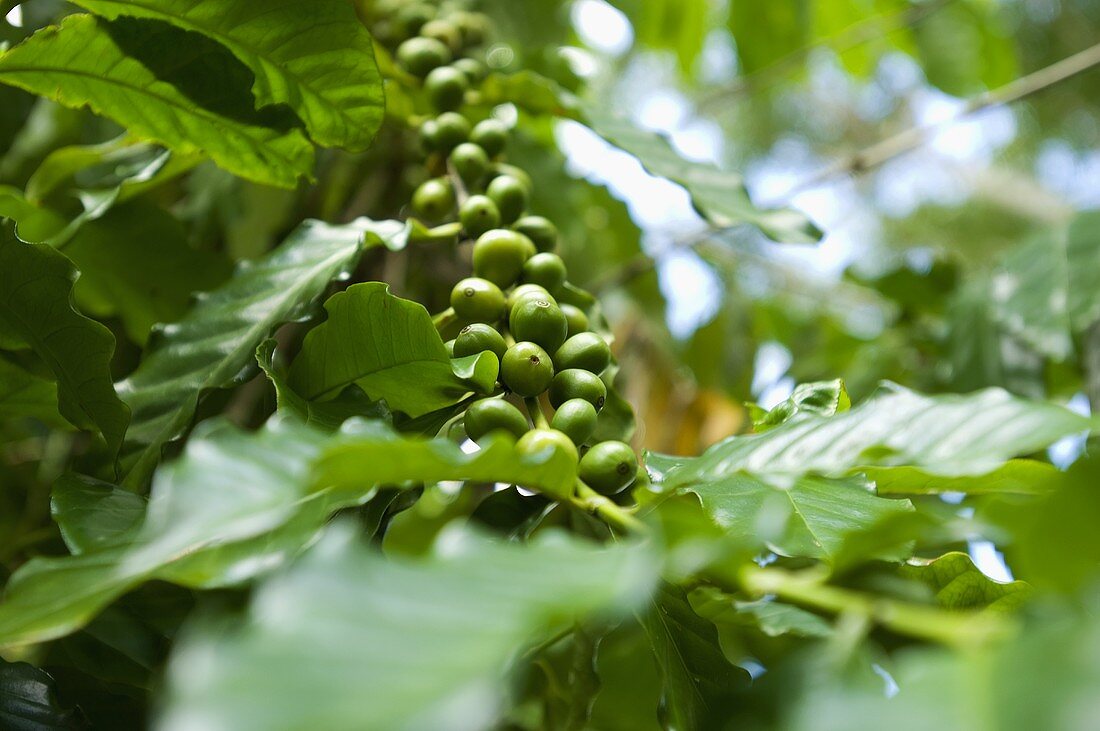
column 546, row 351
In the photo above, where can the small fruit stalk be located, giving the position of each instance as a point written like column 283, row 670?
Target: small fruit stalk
column 556, row 368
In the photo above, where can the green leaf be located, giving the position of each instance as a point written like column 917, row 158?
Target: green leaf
column 1083, row 251
column 766, row 32
column 1021, row 476
column 965, row 49
column 700, row 683
column 93, row 514
column 1029, row 296
column 163, row 84
column 959, row 584
column 35, row 303
column 214, row 344
column 811, row 517
column 371, row 453
column 28, row 700
column 771, row 617
column 238, row 504
column 823, row 397
column 315, row 57
column 389, row 348
column 327, row 415
column 136, row 263
column 23, row 395
column 718, row 196
column 416, row 644
column 950, row 436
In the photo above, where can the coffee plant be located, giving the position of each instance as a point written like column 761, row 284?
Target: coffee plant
column 311, row 416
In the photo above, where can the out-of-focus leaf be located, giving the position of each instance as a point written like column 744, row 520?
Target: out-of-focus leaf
column 93, row 514
column 674, row 25
column 1023, row 476
column 316, row 57
column 811, row 517
column 964, row 49
column 28, row 700
column 23, row 394
column 1029, row 296
column 389, row 347
column 237, row 504
column 766, row 32
column 959, row 584
column 1083, row 251
column 35, row 293
column 950, row 436
column 700, row 683
column 135, row 262
column 215, row 343
column 416, row 644
column 824, row 397
column 771, row 617
column 164, row 84
column 719, row 196
column 630, row 683
column 529, row 91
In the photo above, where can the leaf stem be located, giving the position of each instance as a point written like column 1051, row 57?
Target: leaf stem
column 590, row 501
column 808, row 588
column 444, row 318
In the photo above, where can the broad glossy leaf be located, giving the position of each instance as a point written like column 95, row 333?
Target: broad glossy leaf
column 173, row 87
column 388, row 347
column 385, row 644
column 315, row 57
column 958, row 584
column 700, row 683
column 824, row 397
column 28, row 700
column 719, row 196
column 810, row 517
column 950, row 436
column 215, row 343
column 135, row 263
column 35, row 304
column 770, row 616
column 327, row 415
column 93, row 514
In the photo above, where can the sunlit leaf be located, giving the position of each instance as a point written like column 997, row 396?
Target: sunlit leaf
column 959, row 584
column 825, row 398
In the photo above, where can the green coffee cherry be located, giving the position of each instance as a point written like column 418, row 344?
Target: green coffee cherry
column 477, row 338
column 587, row 351
column 609, row 467
column 470, row 162
column 429, row 135
column 537, row 442
column 578, row 321
column 419, row 55
column 452, row 129
column 475, row 70
column 574, row 383
column 577, row 419
column 543, row 233
column 512, row 171
column 493, row 414
column 445, row 32
column 478, row 214
column 538, row 321
column 545, row 269
column 446, row 88
column 474, row 27
column 433, row 200
column 477, row 300
column 410, row 18
column 491, row 135
column 510, row 195
column 524, row 291
column 526, row 369
column 499, row 255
